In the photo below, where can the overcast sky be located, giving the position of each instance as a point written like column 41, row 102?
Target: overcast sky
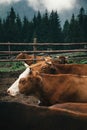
column 58, row 5
column 8, row 1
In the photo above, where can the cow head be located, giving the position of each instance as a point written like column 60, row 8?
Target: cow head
column 48, row 68
column 14, row 90
column 30, row 84
column 62, row 59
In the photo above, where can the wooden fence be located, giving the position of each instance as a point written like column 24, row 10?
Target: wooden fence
column 9, row 53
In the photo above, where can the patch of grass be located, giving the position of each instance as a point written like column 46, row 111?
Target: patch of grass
column 83, row 61
column 15, row 66
column 11, row 66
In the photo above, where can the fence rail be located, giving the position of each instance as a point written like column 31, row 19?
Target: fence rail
column 9, row 52
column 42, row 44
column 48, row 51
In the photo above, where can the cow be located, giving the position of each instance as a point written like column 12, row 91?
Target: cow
column 30, row 58
column 60, row 59
column 51, row 89
column 13, row 90
column 17, row 116
column 49, row 68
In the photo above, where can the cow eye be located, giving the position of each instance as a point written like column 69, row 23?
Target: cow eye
column 22, row 81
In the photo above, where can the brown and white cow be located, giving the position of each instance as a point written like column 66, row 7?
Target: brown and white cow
column 49, row 68
column 52, row 89
column 17, row 116
column 14, row 90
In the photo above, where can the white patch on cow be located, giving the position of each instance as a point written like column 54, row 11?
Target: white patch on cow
column 26, row 65
column 14, row 90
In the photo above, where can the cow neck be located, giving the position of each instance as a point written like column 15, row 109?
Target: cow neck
column 45, row 94
column 30, row 61
column 61, row 68
column 40, row 93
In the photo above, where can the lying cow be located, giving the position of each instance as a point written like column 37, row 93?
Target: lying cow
column 30, row 58
column 17, row 116
column 49, row 68
column 60, row 59
column 13, row 90
column 52, row 89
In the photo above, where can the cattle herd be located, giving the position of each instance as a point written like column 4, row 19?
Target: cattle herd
column 61, row 89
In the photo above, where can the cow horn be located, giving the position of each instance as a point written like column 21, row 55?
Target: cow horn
column 26, row 65
column 49, row 63
column 57, row 56
column 66, row 57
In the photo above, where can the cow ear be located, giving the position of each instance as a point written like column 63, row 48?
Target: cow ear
column 26, row 65
column 48, row 63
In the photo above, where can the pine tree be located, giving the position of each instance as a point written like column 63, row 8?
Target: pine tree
column 18, row 29
column 55, row 28
column 45, row 28
column 34, row 21
column 73, row 30
column 66, row 31
column 10, row 26
column 85, row 28
column 1, row 31
column 81, row 18
column 25, row 29
column 38, row 26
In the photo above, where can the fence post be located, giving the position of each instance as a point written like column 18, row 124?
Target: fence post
column 34, row 49
column 9, row 49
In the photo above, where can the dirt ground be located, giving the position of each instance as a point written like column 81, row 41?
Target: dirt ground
column 6, row 80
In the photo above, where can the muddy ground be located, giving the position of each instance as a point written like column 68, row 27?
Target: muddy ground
column 6, row 80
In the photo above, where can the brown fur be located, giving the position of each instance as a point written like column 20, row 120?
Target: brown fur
column 51, row 89
column 79, row 108
column 17, row 116
column 23, row 55
column 59, row 60
column 54, row 68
